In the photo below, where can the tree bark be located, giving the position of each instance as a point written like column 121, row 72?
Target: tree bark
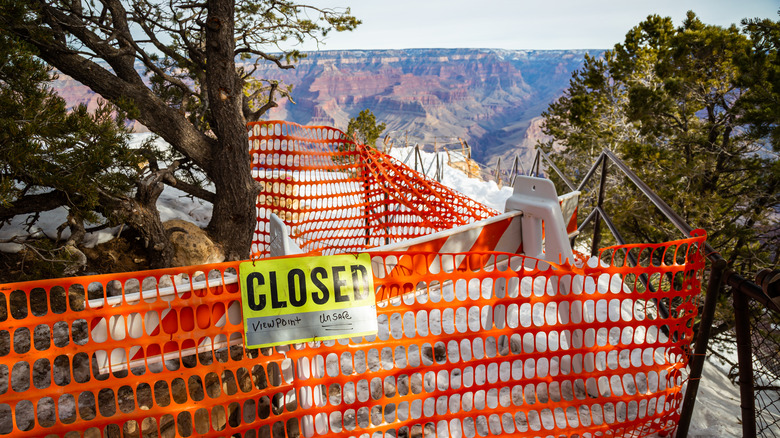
column 233, row 218
column 77, row 233
column 143, row 216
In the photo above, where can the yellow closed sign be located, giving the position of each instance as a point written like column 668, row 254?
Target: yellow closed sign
column 307, row 298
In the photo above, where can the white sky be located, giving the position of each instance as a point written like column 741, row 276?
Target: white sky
column 519, row 24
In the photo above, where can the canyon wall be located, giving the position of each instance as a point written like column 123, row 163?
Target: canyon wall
column 492, row 99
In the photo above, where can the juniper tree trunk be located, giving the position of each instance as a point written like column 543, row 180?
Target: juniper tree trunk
column 234, row 213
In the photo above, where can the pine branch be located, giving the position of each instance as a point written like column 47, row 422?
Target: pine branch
column 34, row 204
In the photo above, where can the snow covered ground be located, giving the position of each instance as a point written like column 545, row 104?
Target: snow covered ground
column 717, row 407
column 486, row 192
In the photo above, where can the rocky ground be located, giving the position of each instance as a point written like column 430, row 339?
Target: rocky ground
column 119, row 255
column 40, row 258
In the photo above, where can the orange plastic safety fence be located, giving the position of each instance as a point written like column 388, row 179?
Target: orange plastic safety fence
column 504, row 345
column 339, row 196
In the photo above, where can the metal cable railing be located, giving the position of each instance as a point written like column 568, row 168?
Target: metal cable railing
column 757, row 316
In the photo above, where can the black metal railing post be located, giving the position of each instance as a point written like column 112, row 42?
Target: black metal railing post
column 514, row 171
column 700, row 350
column 594, row 247
column 747, row 400
column 417, row 157
column 535, row 166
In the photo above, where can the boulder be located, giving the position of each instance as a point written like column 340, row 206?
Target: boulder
column 191, row 244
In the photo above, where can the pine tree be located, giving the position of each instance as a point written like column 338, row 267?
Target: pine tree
column 364, row 128
column 677, row 105
column 52, row 157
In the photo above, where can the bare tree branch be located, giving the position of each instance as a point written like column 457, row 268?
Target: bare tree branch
column 192, row 189
column 275, row 59
column 255, row 115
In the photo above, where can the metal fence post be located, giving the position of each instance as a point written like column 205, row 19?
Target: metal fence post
column 745, row 359
column 594, row 248
column 497, row 172
column 700, row 351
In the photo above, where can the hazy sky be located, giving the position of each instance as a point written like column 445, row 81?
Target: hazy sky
column 520, row 24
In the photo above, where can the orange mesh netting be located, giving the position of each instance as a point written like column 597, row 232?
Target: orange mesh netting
column 505, row 346
column 336, row 195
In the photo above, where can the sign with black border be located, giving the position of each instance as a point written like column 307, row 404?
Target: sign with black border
column 304, row 299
